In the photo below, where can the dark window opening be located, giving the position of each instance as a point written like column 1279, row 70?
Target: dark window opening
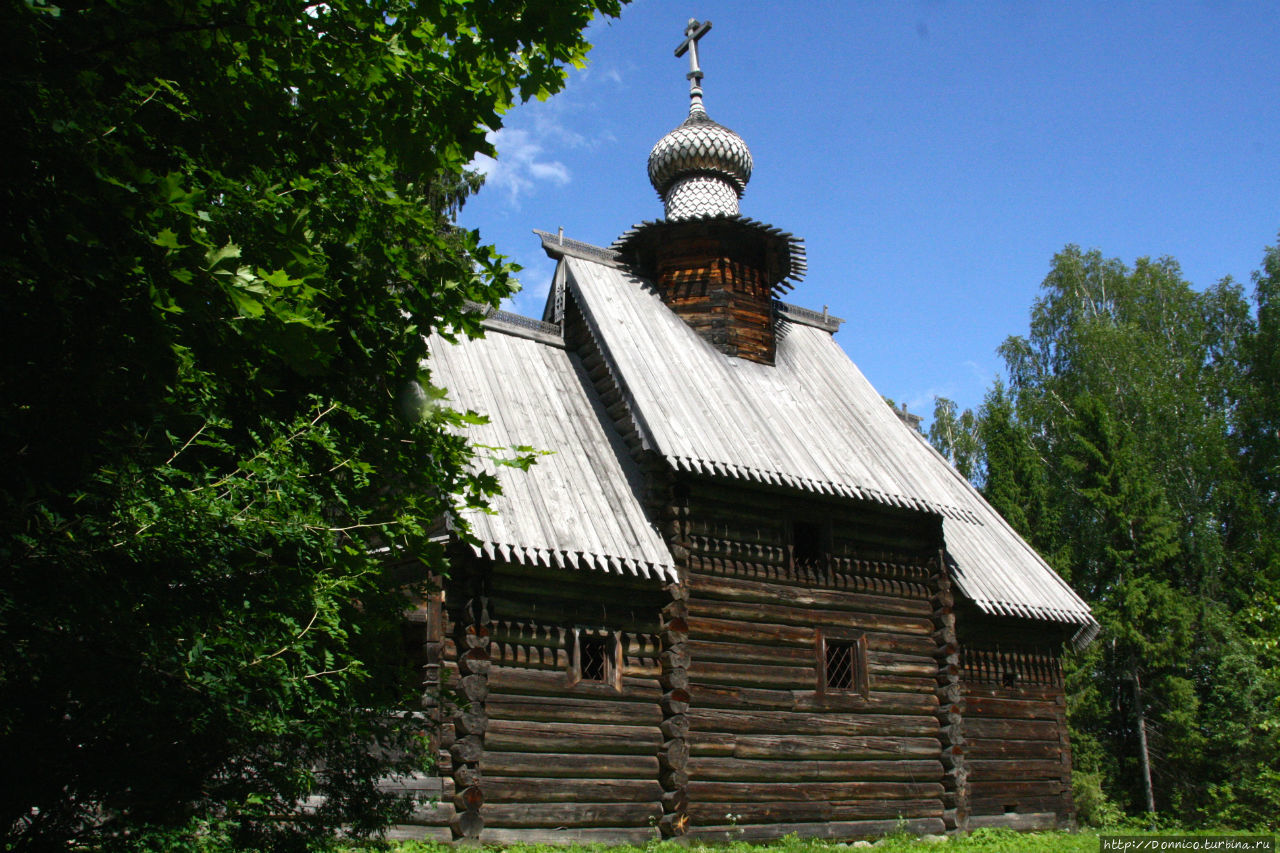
column 808, row 543
column 593, row 658
column 840, row 666
column 1010, row 678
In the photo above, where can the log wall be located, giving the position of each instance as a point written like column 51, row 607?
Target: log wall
column 563, row 757
column 1019, row 754
column 770, row 751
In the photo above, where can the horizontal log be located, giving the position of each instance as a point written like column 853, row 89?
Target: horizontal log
column 737, row 589
column 550, row 789
column 1020, row 805
column 705, row 627
column 980, row 769
column 811, row 747
column 1019, row 822
column 1019, row 709
column 437, row 834
column 552, row 815
column 565, row 838
column 570, row 765
column 782, row 791
column 774, row 613
column 984, row 727
column 994, row 749
column 831, row 830
column 707, row 769
column 875, row 702
column 812, row 723
column 553, row 683
column 525, row 736
column 755, row 675
column 551, row 709
column 997, row 789
column 701, row 813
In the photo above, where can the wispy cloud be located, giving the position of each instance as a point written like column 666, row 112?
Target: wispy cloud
column 520, row 165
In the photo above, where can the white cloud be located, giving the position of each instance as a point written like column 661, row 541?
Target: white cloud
column 520, row 164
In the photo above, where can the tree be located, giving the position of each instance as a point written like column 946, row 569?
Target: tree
column 225, row 237
column 954, row 434
column 1130, row 449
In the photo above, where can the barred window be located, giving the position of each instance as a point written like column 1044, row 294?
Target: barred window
column 842, row 664
column 595, row 655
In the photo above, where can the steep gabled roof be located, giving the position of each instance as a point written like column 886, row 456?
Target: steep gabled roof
column 577, row 506
column 809, row 421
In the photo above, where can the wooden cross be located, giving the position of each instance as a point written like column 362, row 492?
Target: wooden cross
column 692, row 33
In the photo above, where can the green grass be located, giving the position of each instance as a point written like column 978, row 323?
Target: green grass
column 989, row 840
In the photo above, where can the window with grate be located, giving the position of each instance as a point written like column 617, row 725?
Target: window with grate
column 839, row 666
column 593, row 658
column 595, row 655
column 842, row 664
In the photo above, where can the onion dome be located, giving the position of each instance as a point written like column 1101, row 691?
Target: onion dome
column 700, row 169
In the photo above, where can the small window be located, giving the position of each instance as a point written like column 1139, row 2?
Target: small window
column 842, row 664
column 595, row 655
column 808, row 543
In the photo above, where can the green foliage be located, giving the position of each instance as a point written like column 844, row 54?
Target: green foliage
column 225, row 237
column 954, row 434
column 1133, row 448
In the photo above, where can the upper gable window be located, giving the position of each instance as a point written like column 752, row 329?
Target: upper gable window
column 810, row 543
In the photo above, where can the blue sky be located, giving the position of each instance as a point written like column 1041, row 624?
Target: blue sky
column 933, row 155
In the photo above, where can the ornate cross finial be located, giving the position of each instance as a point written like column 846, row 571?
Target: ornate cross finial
column 694, row 31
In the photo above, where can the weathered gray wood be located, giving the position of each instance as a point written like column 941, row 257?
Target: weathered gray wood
column 1015, row 769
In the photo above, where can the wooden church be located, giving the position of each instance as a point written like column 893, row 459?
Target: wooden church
column 738, row 597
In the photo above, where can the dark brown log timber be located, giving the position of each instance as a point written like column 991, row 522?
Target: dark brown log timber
column 553, row 709
column 736, row 589
column 1020, row 822
column 766, row 722
column 571, row 765
column 747, row 792
column 526, row 736
column 550, row 789
column 756, row 771
column 551, row 815
column 831, row 747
